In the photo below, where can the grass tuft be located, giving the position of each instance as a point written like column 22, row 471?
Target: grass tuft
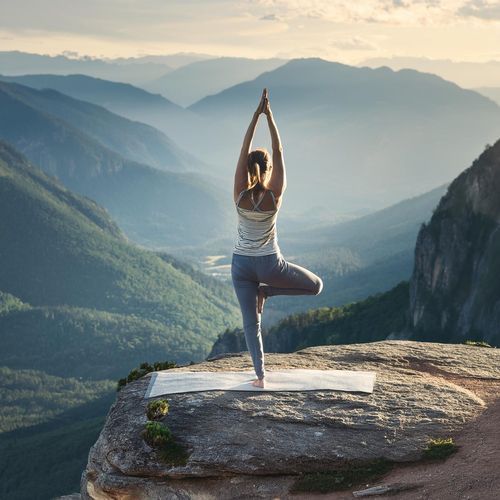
column 440, row 448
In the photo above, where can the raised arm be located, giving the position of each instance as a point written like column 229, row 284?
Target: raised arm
column 277, row 183
column 241, row 180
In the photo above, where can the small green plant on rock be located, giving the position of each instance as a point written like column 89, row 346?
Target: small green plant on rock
column 157, row 409
column 342, row 478
column 159, row 436
column 440, row 448
column 145, row 368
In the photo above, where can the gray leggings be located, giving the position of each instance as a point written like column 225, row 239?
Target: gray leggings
column 281, row 278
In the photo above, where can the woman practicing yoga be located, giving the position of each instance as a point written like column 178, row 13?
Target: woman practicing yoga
column 258, row 268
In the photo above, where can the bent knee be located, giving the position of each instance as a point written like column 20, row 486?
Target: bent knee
column 319, row 286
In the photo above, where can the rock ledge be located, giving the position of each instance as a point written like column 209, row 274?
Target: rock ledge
column 251, row 443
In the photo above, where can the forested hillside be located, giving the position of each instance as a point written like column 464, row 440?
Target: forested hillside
column 89, row 150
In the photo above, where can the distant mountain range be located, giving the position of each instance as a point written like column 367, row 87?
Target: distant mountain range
column 408, row 123
column 199, row 79
column 356, row 137
column 86, row 147
column 126, row 100
column 464, row 73
column 134, row 70
column 133, row 140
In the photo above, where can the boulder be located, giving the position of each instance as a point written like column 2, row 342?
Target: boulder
column 257, row 443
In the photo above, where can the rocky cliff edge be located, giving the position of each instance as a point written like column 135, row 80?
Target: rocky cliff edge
column 256, row 444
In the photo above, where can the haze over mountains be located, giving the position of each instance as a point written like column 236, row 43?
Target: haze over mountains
column 359, row 257
column 358, row 137
column 194, row 81
column 72, row 140
column 136, row 141
column 464, row 73
column 179, row 124
column 81, row 304
column 492, row 92
column 134, row 70
column 355, row 139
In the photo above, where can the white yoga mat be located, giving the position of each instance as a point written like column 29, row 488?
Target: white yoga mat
column 293, row 379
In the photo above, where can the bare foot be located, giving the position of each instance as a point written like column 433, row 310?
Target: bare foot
column 258, row 382
column 261, row 298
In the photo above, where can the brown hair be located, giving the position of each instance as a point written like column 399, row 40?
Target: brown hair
column 259, row 163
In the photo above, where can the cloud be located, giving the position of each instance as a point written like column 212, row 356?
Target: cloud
column 353, row 43
column 481, row 9
column 401, row 12
column 270, row 17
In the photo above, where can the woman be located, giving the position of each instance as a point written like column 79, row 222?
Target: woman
column 258, row 268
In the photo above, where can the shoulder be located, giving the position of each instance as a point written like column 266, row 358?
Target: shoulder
column 277, row 197
column 238, row 193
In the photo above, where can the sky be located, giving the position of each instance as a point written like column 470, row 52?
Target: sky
column 342, row 30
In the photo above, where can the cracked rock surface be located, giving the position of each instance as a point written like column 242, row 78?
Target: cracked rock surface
column 256, row 443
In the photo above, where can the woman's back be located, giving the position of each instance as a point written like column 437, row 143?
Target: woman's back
column 264, row 199
column 257, row 233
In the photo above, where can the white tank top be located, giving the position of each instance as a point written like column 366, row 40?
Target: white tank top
column 257, row 234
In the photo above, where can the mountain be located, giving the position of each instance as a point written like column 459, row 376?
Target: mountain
column 133, row 70
column 17, row 63
column 372, row 236
column 199, row 79
column 356, row 138
column 464, row 73
column 133, row 140
column 355, row 258
column 80, row 289
column 172, row 61
column 133, row 103
column 454, row 287
column 492, row 92
column 153, row 207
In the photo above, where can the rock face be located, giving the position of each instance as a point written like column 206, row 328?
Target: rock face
column 255, row 444
column 455, row 285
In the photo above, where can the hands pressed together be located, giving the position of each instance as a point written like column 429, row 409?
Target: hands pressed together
column 264, row 106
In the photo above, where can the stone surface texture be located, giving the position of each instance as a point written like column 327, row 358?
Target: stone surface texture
column 255, row 444
column 455, row 285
